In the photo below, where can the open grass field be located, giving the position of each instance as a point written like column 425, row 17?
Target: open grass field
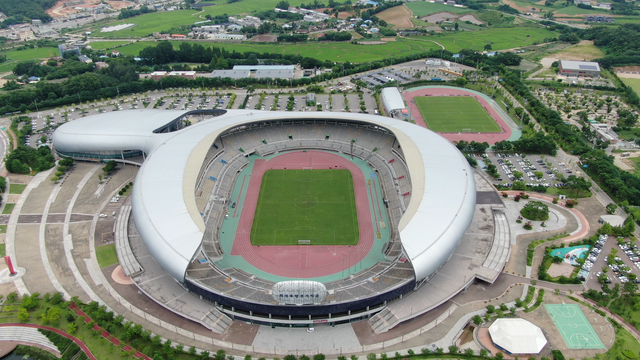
column 16, row 56
column 423, row 8
column 583, row 51
column 332, row 51
column 633, row 83
column 574, row 10
column 455, row 114
column 106, row 255
column 147, row 24
column 624, row 345
column 499, row 38
column 315, row 205
column 101, row 45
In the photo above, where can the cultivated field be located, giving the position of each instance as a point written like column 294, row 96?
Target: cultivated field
column 147, row 24
column 399, row 16
column 499, row 38
column 314, row 205
column 455, row 114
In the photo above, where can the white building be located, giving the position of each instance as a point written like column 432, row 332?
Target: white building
column 237, row 37
column 393, row 102
column 517, row 336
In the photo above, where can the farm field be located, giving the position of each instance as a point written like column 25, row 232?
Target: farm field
column 101, row 45
column 633, row 83
column 423, row 8
column 455, row 114
column 314, row 205
column 16, row 56
column 399, row 16
column 330, row 51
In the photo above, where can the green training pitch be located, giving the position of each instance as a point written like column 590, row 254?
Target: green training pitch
column 455, row 114
column 314, row 205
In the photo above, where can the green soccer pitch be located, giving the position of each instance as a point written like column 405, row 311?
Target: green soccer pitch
column 314, row 205
column 455, row 114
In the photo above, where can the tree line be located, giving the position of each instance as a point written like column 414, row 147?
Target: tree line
column 32, row 9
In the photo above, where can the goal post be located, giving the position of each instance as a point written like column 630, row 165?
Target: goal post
column 304, row 242
column 307, row 168
column 467, row 130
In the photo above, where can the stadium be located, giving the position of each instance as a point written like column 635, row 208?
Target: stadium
column 294, row 219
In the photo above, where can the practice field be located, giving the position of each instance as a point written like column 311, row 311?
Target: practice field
column 314, row 205
column 574, row 327
column 449, row 114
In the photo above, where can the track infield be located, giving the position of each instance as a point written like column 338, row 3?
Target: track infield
column 315, row 206
column 449, row 114
column 574, row 327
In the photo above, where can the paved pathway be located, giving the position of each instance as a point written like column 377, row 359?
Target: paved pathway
column 59, row 332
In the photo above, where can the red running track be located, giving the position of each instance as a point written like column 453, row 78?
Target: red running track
column 303, row 261
column 491, row 138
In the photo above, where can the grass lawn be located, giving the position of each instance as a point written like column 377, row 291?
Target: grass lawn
column 455, row 114
column 569, row 192
column 316, row 205
column 16, row 188
column 423, row 8
column 101, row 45
column 3, row 229
column 2, row 252
column 8, row 208
column 633, row 83
column 106, row 255
column 624, row 341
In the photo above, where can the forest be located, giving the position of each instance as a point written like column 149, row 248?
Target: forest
column 32, row 9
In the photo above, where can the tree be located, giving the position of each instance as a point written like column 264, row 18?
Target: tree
column 284, row 5
column 630, row 288
column 538, row 174
column 518, row 174
column 468, row 352
column 453, row 349
column 627, row 118
column 477, row 320
column 487, row 47
column 611, row 208
column 111, row 165
column 23, row 314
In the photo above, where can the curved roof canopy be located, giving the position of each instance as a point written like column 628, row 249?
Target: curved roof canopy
column 443, row 187
column 517, row 336
column 392, row 99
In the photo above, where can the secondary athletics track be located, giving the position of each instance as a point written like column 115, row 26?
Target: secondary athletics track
column 304, row 261
column 491, row 138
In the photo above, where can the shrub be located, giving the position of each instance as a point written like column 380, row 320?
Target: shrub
column 557, row 355
column 535, row 210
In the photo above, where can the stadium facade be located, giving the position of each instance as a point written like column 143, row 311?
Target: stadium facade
column 429, row 192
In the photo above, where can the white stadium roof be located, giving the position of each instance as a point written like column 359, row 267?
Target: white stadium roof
column 517, row 336
column 442, row 199
column 392, row 99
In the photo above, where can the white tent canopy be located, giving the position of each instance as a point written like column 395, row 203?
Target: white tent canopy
column 517, row 336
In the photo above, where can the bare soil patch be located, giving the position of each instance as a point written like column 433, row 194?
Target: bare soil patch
column 516, row 6
column 439, row 17
column 388, row 39
column 399, row 16
column 117, row 5
column 344, row 15
column 264, row 38
column 472, row 19
column 561, row 269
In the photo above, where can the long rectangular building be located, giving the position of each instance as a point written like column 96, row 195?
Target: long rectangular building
column 579, row 68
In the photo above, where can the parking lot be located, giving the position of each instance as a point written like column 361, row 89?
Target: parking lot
column 45, row 122
column 535, row 170
column 626, row 262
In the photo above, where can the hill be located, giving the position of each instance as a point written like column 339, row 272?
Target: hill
column 33, row 9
